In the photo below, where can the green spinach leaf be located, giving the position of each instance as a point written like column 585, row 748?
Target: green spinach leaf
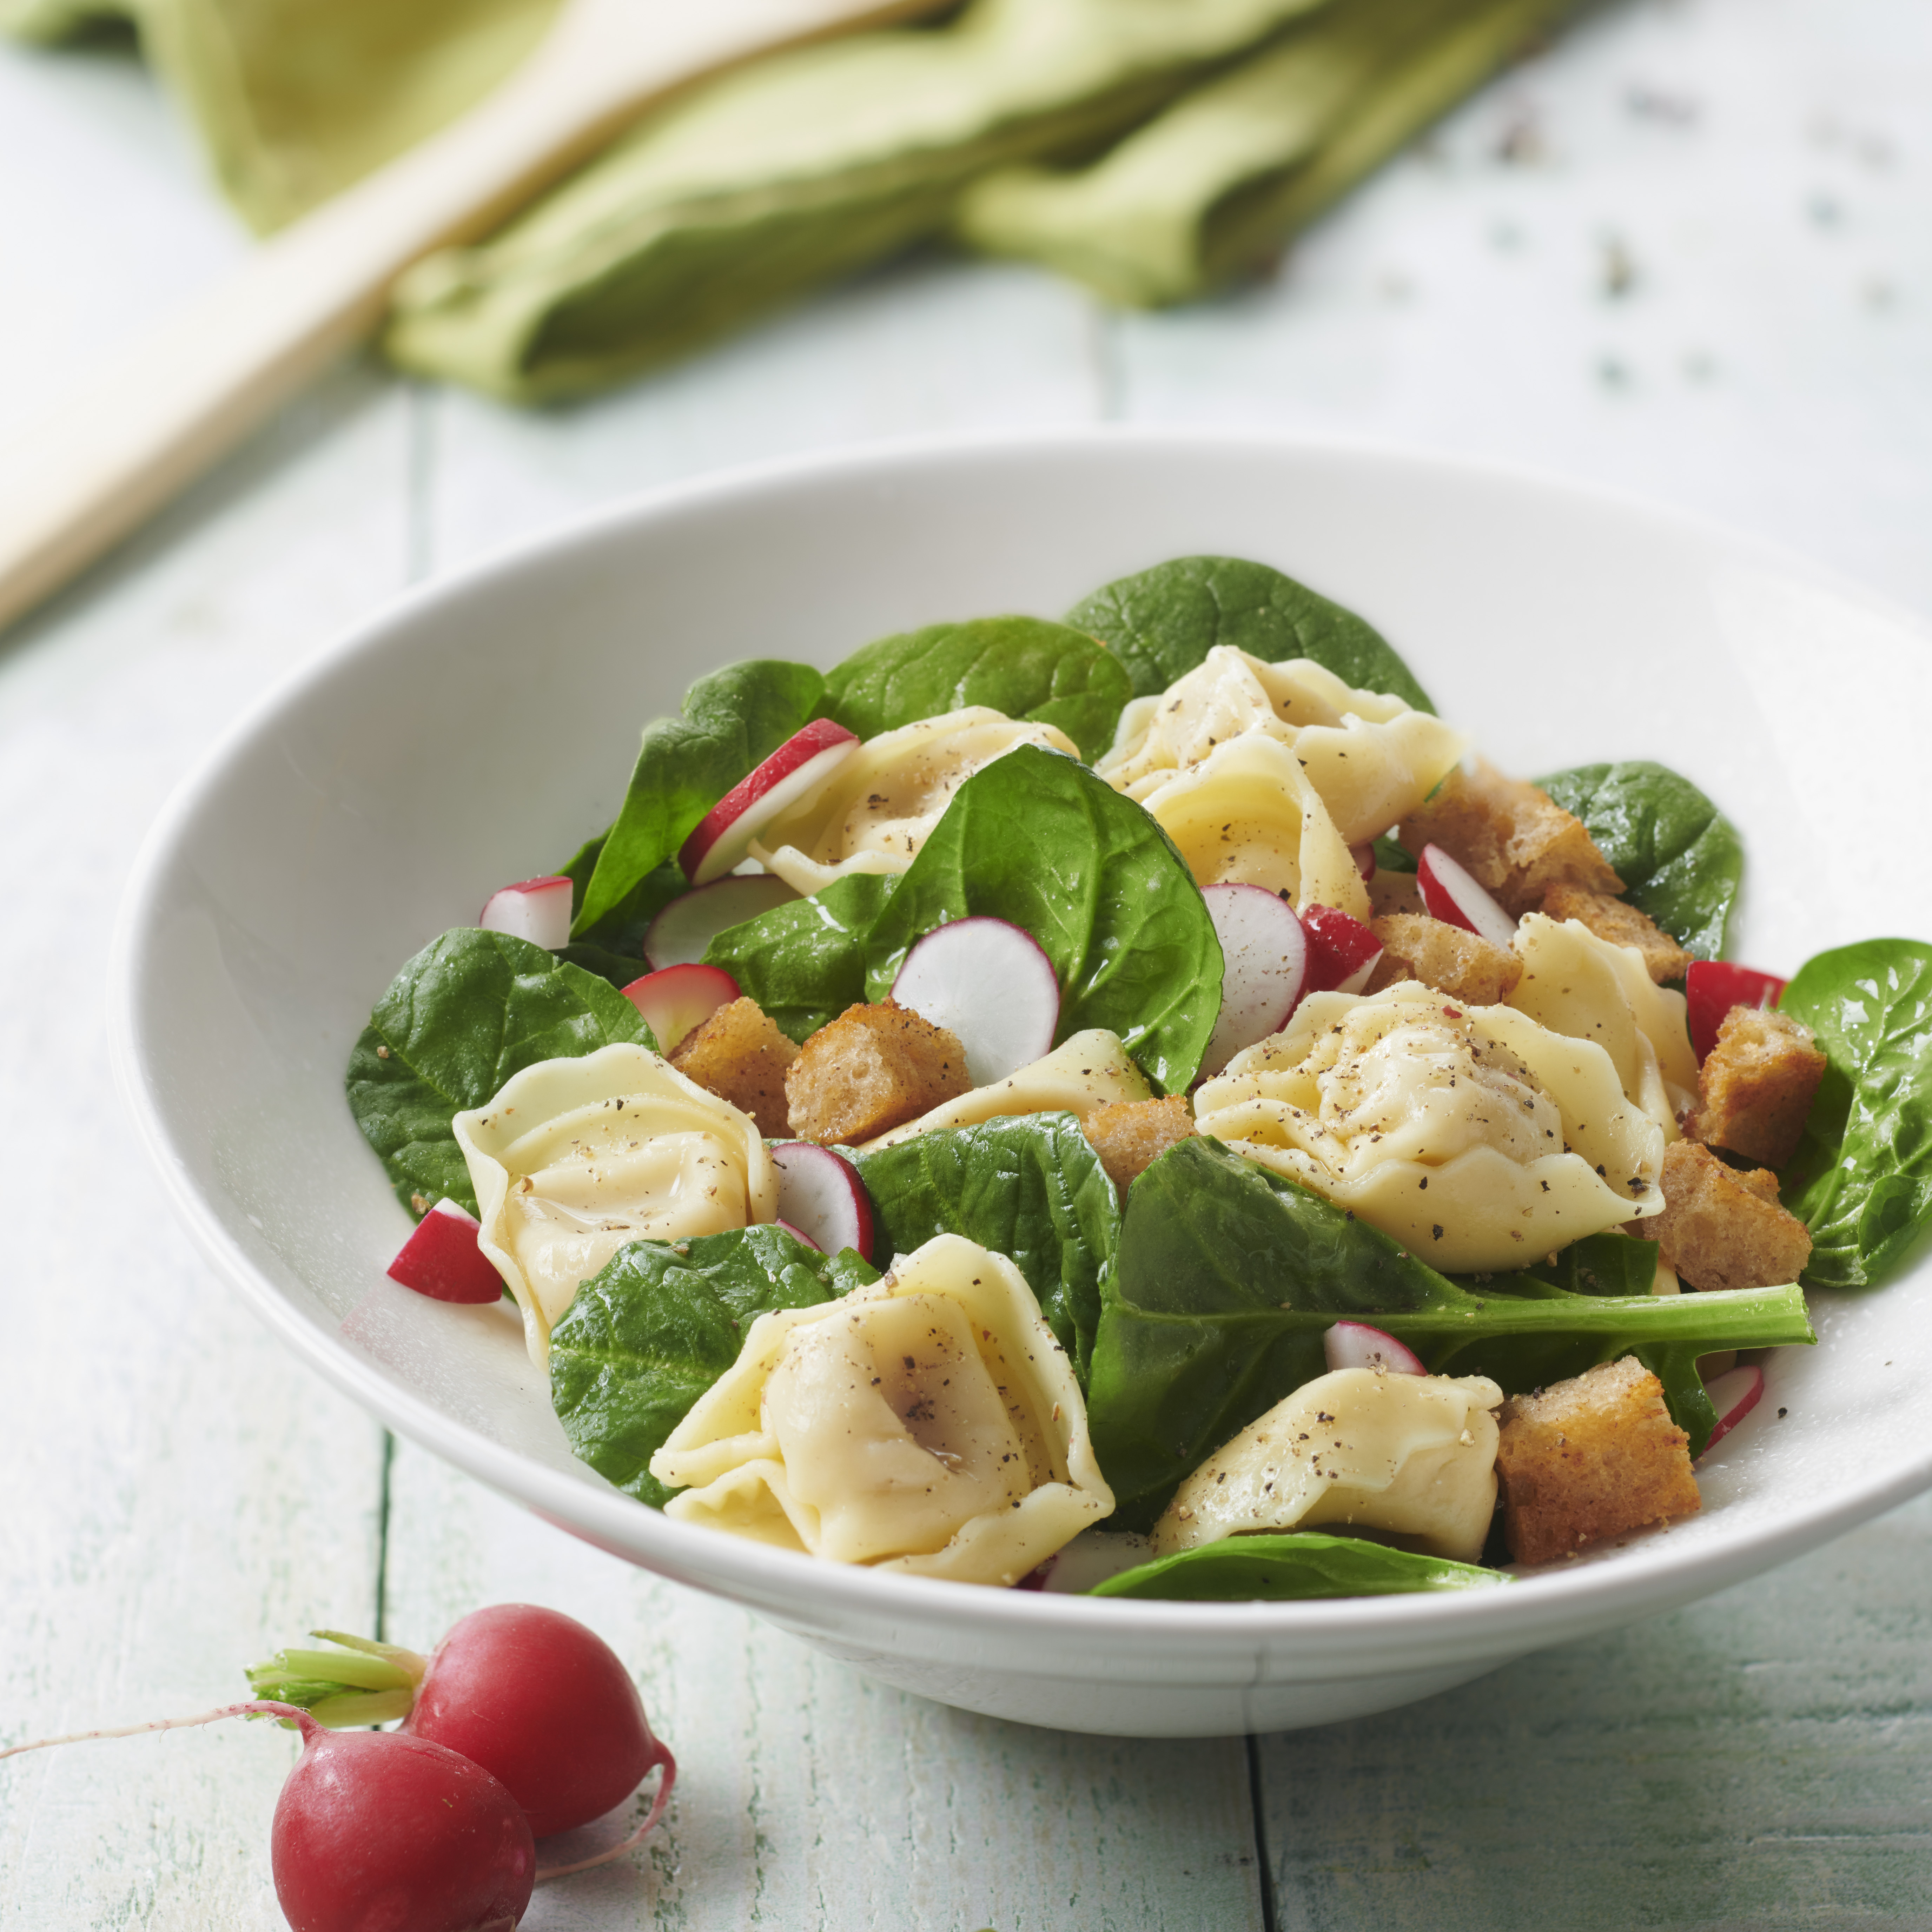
column 1031, row 1189
column 1862, row 1180
column 733, row 719
column 1606, row 1264
column 643, row 1340
column 1680, row 859
column 1164, row 621
column 1227, row 1276
column 1037, row 839
column 1046, row 673
column 1293, row 1569
column 622, row 929
column 467, row 1012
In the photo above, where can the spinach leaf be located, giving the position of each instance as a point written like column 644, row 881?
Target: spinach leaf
column 1680, row 859
column 1037, row 839
column 733, row 719
column 1293, row 1568
column 614, row 969
column 1606, row 1263
column 643, row 1340
column 1862, row 1180
column 804, row 961
column 1025, row 666
column 622, row 929
column 1163, row 622
column 1031, row 1189
column 467, row 1012
column 1391, row 857
column 1227, row 1276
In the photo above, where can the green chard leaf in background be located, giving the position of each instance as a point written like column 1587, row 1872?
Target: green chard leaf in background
column 1163, row 622
column 1030, row 1188
column 1227, row 1277
column 1680, row 859
column 733, row 719
column 1293, row 1568
column 643, row 1340
column 467, row 1012
column 1045, row 674
column 804, row 961
column 1862, row 1180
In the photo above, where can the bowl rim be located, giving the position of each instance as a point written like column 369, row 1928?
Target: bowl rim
column 1644, row 1578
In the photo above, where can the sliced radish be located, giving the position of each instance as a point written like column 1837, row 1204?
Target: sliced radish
column 1364, row 857
column 442, row 1260
column 679, row 934
column 797, row 1234
column 1733, row 1395
column 537, row 910
column 987, row 981
column 1342, row 951
column 787, row 777
column 821, row 1199
column 680, row 999
column 1265, row 956
column 1354, row 1345
column 1452, row 894
column 1712, row 987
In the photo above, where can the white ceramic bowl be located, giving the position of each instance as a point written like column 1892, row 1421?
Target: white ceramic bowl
column 479, row 731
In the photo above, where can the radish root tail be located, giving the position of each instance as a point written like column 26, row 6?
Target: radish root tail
column 668, row 1765
column 254, row 1708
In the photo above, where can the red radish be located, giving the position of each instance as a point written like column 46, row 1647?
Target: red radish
column 1354, row 1345
column 1364, row 857
column 537, row 910
column 1733, row 1395
column 677, row 999
column 787, row 777
column 1452, row 894
column 1712, row 987
column 442, row 1260
column 1264, row 960
column 1342, row 953
column 680, row 935
column 797, row 1234
column 822, row 1199
column 988, row 981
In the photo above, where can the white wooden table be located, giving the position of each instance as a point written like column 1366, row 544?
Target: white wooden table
column 1688, row 252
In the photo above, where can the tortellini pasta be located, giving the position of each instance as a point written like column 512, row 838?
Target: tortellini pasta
column 575, row 1158
column 1089, row 1071
column 1576, row 983
column 878, row 808
column 927, row 1423
column 1474, row 1136
column 1372, row 758
column 1414, row 1456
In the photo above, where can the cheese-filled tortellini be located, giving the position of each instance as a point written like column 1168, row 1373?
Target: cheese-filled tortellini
column 877, row 808
column 928, row 1422
column 575, row 1158
column 1247, row 814
column 1414, row 1456
column 1091, row 1070
column 1372, row 758
column 1474, row 1137
column 1576, row 983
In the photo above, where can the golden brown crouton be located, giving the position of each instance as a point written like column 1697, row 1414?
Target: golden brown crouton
column 1514, row 839
column 740, row 1056
column 1130, row 1135
column 1756, row 1085
column 1721, row 1229
column 873, row 1068
column 1463, row 964
column 1593, row 1457
column 1664, row 959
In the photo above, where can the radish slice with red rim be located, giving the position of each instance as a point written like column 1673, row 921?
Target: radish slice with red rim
column 1364, row 857
column 788, row 778
column 442, row 1260
column 1264, row 964
column 1453, row 894
column 1354, row 1345
column 1734, row 1395
column 537, row 910
column 1342, row 953
column 988, row 982
column 1712, row 987
column 682, row 932
column 821, row 1199
column 677, row 1001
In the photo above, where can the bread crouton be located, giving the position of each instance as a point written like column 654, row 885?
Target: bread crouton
column 740, row 1056
column 1463, row 964
column 1756, row 1086
column 1516, row 841
column 1593, row 1457
column 1130, row 1135
column 1721, row 1229
column 872, row 1069
column 1664, row 959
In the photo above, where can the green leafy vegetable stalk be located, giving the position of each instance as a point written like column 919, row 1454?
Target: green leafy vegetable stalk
column 1293, row 1568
